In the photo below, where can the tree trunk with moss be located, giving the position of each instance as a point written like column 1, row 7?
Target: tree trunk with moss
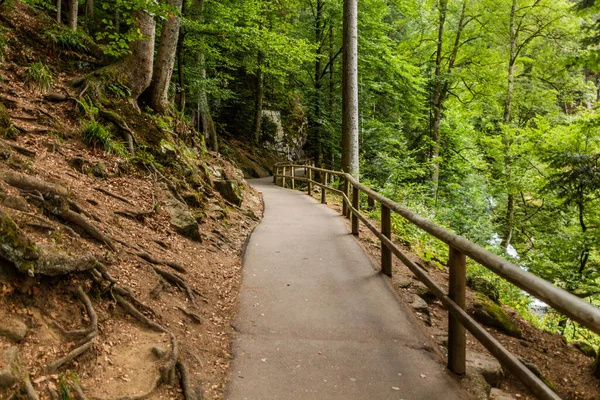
column 165, row 59
column 73, row 10
column 138, row 66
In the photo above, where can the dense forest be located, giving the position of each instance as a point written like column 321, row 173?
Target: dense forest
column 479, row 115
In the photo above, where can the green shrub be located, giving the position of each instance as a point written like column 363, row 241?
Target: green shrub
column 3, row 44
column 99, row 136
column 66, row 38
column 39, row 77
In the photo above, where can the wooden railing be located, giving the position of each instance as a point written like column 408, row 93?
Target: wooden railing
column 459, row 249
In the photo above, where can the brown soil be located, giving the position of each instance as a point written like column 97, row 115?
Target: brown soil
column 121, row 361
column 566, row 367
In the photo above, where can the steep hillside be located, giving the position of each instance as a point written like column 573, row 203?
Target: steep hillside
column 120, row 234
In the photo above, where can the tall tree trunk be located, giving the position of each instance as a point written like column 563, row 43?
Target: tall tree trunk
column 59, row 11
column 206, row 124
column 317, row 131
column 331, row 72
column 510, row 200
column 165, row 59
column 259, row 99
column 117, row 20
column 585, row 253
column 350, row 140
column 89, row 15
column 180, row 73
column 180, row 98
column 139, row 64
column 438, row 95
column 73, row 10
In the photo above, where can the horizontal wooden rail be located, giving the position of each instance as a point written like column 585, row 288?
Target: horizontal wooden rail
column 459, row 248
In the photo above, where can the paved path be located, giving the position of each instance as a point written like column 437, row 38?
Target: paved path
column 317, row 322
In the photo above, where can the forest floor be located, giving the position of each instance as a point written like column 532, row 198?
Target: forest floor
column 561, row 363
column 179, row 288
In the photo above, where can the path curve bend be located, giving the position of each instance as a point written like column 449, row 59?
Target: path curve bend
column 317, row 322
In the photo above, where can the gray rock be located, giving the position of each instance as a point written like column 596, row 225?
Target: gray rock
column 12, row 328
column 230, row 190
column 182, row 220
column 423, row 291
column 9, row 375
column 404, row 282
column 16, row 203
column 484, row 286
column 491, row 314
column 497, row 394
column 486, row 366
column 420, row 305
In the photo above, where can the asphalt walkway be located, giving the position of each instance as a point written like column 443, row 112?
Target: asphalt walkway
column 316, row 321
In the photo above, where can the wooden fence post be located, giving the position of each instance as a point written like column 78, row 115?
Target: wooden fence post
column 309, row 183
column 355, row 201
column 345, row 212
column 275, row 175
column 371, row 202
column 283, row 177
column 457, row 340
column 323, row 190
column 386, row 230
column 293, row 174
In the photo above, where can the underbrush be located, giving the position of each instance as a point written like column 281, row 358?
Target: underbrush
column 66, row 39
column 96, row 135
column 38, row 77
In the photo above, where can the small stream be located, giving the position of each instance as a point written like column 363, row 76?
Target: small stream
column 536, row 306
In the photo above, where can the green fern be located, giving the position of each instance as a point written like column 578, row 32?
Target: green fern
column 97, row 135
column 39, row 77
column 67, row 39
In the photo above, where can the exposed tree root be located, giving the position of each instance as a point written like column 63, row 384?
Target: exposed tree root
column 86, row 225
column 89, row 335
column 116, row 196
column 20, row 149
column 31, row 393
column 167, row 370
column 148, row 257
column 170, row 185
column 57, row 97
column 119, row 122
column 133, row 214
column 178, row 281
column 186, row 385
column 31, row 183
column 53, row 394
column 55, row 200
column 143, row 396
column 77, row 334
column 193, row 316
column 73, row 354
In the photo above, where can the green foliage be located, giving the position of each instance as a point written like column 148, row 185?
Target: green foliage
column 47, row 5
column 119, row 90
column 97, row 135
column 3, row 43
column 39, row 77
column 65, row 38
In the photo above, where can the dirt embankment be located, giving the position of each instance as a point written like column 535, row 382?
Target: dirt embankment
column 119, row 273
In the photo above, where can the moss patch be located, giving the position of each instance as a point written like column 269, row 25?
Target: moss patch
column 15, row 247
column 5, row 123
column 491, row 314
